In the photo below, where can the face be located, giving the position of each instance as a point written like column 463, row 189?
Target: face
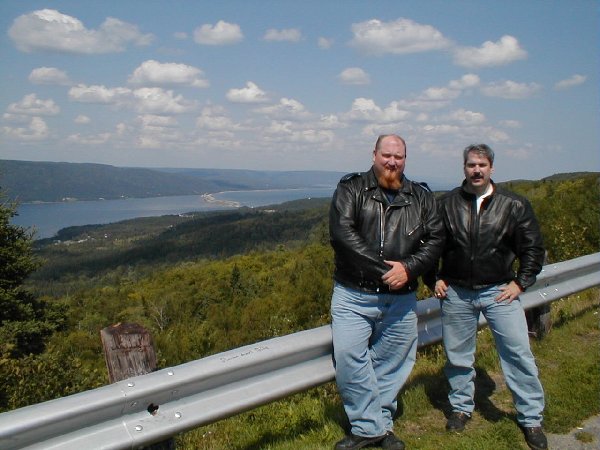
column 389, row 161
column 478, row 173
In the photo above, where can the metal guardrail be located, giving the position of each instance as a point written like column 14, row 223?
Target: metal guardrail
column 200, row 392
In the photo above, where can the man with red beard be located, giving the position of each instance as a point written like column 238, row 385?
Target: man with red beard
column 385, row 232
column 487, row 229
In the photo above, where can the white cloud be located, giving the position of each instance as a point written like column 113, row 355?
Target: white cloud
column 495, row 135
column 354, row 75
column 399, row 37
column 160, row 101
column 431, row 99
column 82, row 119
column 467, row 117
column 575, row 80
column 439, row 97
column 289, row 35
column 16, row 118
column 250, row 94
column 285, row 132
column 219, row 140
column 222, row 33
column 278, row 127
column 312, row 136
column 510, row 90
column 49, row 75
column 145, row 100
column 36, row 130
column 440, row 94
column 121, row 129
column 214, row 118
column 157, row 121
column 287, row 108
column 98, row 94
column 33, row 106
column 330, row 122
column 441, row 129
column 325, row 43
column 465, row 82
column 372, row 130
column 158, row 131
column 50, row 30
column 490, row 54
column 395, row 113
column 153, row 73
column 365, row 109
column 92, row 139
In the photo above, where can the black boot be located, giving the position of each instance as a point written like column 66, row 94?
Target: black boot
column 456, row 421
column 535, row 437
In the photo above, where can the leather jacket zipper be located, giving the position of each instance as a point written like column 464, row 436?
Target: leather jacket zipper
column 414, row 229
column 381, row 228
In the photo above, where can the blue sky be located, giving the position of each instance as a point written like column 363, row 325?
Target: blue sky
column 297, row 85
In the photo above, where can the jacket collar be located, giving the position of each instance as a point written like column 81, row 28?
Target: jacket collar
column 472, row 196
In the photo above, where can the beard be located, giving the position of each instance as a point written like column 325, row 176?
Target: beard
column 390, row 179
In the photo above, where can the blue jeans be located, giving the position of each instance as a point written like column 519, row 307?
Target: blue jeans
column 460, row 314
column 375, row 347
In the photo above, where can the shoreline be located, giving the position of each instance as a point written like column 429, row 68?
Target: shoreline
column 208, row 196
column 50, row 217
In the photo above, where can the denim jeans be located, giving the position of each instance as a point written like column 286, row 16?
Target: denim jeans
column 460, row 314
column 374, row 347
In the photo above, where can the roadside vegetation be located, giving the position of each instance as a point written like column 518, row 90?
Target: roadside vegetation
column 211, row 282
column 570, row 372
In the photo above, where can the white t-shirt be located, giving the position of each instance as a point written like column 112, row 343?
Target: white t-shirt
column 487, row 193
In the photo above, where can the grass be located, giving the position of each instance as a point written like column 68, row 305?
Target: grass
column 569, row 369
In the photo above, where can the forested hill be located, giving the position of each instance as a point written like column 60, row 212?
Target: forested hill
column 28, row 181
column 151, row 241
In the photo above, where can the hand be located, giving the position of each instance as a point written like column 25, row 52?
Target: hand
column 441, row 287
column 397, row 276
column 509, row 292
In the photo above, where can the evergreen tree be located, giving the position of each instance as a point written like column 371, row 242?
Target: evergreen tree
column 24, row 321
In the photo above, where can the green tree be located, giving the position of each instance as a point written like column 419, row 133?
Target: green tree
column 25, row 322
column 569, row 215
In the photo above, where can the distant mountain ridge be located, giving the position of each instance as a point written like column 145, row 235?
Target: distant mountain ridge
column 32, row 181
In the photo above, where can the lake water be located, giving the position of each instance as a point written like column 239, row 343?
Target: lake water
column 48, row 218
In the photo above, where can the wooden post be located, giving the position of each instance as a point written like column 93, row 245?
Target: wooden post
column 129, row 351
column 539, row 320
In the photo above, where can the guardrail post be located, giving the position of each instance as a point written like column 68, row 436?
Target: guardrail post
column 539, row 321
column 129, row 351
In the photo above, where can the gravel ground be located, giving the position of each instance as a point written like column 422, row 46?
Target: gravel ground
column 589, row 428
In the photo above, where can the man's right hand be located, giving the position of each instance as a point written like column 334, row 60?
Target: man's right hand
column 397, row 276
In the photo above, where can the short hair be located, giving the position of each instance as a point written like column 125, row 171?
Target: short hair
column 383, row 136
column 481, row 149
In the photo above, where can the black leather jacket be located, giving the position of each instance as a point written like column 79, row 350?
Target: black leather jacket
column 481, row 248
column 365, row 229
